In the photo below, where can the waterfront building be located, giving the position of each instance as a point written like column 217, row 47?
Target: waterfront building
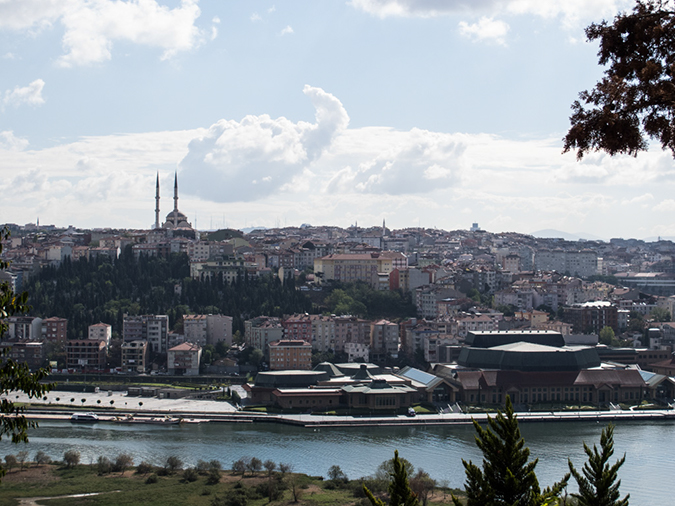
column 135, row 356
column 184, row 359
column 85, row 354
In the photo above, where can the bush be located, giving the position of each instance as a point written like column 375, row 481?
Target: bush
column 122, row 461
column 202, row 467
column 173, row 464
column 10, row 461
column 151, row 479
column 190, row 475
column 42, row 458
column 104, row 466
column 71, row 458
column 239, row 466
column 144, row 468
column 214, row 477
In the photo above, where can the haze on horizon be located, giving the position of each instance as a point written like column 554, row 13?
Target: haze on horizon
column 433, row 113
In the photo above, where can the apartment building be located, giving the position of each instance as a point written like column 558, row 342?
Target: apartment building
column 100, row 332
column 85, row 354
column 54, row 329
column 288, row 354
column 151, row 328
column 184, row 359
column 135, row 355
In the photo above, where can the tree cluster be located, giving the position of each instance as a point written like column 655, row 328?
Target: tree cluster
column 360, row 299
column 104, row 290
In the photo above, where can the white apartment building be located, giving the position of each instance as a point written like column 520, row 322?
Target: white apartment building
column 100, row 332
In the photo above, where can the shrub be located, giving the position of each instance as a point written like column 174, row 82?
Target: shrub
column 173, row 464
column 239, row 466
column 104, row 466
column 144, row 468
column 190, row 475
column 123, row 461
column 42, row 458
column 214, row 477
column 202, row 467
column 151, row 479
column 10, row 461
column 71, row 458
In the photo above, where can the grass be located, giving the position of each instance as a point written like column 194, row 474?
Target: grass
column 131, row 489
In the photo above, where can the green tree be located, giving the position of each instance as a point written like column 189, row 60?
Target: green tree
column 635, row 100
column 660, row 314
column 15, row 376
column 400, row 493
column 598, row 485
column 606, row 336
column 71, row 458
column 507, row 477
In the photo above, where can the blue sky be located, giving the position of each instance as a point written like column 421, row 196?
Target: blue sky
column 421, row 112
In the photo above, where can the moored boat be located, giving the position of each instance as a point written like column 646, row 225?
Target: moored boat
column 84, row 418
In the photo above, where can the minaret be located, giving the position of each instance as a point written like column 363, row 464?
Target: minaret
column 157, row 202
column 175, row 199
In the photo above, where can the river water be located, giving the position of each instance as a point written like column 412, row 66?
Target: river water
column 646, row 475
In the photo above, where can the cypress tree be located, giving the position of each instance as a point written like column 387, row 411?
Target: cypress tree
column 400, row 493
column 507, row 477
column 598, row 485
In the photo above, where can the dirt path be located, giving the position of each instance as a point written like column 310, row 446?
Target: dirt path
column 34, row 501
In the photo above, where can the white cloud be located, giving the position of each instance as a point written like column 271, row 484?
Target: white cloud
column 271, row 10
column 287, row 31
column 31, row 94
column 640, row 199
column 485, row 29
column 259, row 155
column 665, row 206
column 8, row 141
column 419, row 161
column 92, row 26
column 572, row 11
column 255, row 17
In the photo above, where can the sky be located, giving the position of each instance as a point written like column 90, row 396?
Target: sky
column 432, row 113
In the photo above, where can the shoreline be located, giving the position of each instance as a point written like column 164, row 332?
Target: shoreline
column 203, row 411
column 332, row 421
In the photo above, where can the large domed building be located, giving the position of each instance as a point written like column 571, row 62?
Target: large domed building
column 176, row 223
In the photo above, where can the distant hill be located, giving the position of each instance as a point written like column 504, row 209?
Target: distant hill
column 550, row 233
column 224, row 234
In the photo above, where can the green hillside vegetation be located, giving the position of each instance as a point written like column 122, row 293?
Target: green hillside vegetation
column 250, row 483
column 100, row 290
column 222, row 235
column 360, row 299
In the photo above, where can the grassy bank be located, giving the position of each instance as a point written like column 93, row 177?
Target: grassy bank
column 161, row 487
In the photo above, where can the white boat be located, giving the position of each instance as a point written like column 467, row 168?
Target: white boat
column 84, row 418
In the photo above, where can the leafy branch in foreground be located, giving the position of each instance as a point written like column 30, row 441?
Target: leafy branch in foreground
column 635, row 100
column 15, row 376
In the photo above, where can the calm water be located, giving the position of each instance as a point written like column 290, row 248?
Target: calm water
column 650, row 448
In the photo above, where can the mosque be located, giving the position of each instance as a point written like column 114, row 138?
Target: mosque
column 176, row 224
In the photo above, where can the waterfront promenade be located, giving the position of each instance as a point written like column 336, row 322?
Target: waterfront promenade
column 218, row 411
